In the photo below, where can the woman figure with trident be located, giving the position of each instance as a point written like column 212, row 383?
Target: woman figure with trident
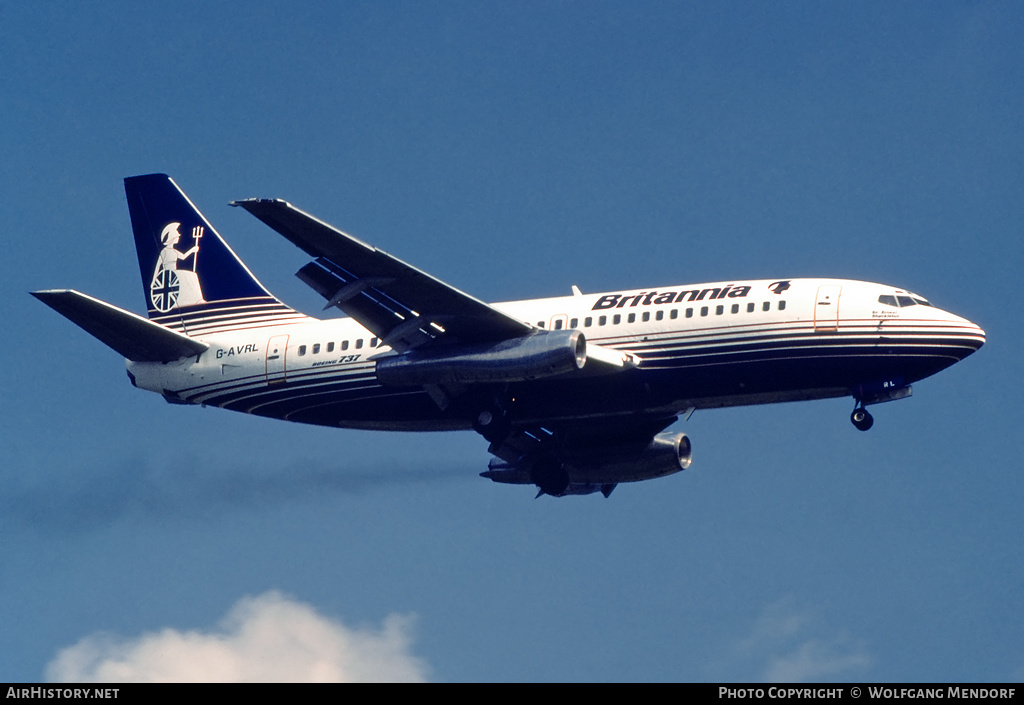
column 172, row 287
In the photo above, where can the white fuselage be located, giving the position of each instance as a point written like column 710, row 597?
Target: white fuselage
column 698, row 346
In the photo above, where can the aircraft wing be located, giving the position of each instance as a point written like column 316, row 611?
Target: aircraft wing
column 402, row 305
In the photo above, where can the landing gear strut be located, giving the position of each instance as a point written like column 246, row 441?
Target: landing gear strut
column 861, row 418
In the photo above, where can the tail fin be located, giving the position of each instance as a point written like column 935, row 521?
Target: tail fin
column 192, row 280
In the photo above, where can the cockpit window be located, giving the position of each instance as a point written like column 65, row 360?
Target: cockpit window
column 902, row 301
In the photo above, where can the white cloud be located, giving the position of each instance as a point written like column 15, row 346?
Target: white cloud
column 778, row 622
column 789, row 645
column 816, row 659
column 269, row 638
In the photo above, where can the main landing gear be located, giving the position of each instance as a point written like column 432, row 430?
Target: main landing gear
column 861, row 418
column 493, row 424
column 551, row 477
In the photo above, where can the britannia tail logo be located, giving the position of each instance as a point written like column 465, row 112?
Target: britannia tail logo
column 174, row 284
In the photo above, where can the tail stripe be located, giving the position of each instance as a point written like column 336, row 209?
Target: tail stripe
column 218, row 319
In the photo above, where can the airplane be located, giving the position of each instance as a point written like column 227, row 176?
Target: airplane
column 574, row 393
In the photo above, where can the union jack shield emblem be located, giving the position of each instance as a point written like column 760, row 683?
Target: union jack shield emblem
column 164, row 289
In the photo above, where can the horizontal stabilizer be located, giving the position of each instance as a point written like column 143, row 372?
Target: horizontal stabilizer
column 135, row 337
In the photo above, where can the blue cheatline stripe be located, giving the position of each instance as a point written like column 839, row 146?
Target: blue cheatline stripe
column 358, row 382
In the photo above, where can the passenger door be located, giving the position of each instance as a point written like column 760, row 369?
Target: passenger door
column 277, row 350
column 826, row 307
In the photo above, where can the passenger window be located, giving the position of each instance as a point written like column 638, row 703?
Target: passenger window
column 673, row 314
column 646, row 316
column 316, row 348
column 750, row 307
column 766, row 306
column 735, row 308
column 719, row 310
column 659, row 315
column 574, row 322
column 302, row 350
column 558, row 324
column 587, row 322
column 374, row 342
column 601, row 320
column 632, row 318
column 782, row 305
column 540, row 324
column 330, row 346
column 703, row 310
column 689, row 313
column 344, row 345
column 359, row 343
column 616, row 319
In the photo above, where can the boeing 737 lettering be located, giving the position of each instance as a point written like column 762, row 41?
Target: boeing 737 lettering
column 573, row 393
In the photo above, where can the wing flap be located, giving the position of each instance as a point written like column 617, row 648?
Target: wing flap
column 133, row 336
column 382, row 292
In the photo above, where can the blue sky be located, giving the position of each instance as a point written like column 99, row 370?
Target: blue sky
column 514, row 150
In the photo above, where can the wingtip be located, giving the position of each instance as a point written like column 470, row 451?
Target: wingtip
column 44, row 294
column 248, row 203
column 139, row 177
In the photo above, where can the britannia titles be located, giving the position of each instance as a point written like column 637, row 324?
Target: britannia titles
column 646, row 298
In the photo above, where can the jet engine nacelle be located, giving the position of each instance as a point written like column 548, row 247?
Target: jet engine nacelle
column 599, row 470
column 667, row 453
column 546, row 354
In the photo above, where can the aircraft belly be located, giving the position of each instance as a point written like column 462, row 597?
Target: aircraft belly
column 697, row 382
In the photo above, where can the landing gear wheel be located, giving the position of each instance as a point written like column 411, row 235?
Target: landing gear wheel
column 492, row 425
column 550, row 476
column 862, row 419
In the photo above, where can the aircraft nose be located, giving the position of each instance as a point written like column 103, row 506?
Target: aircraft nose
column 979, row 333
column 972, row 335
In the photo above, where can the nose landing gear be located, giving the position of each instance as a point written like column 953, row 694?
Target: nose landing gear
column 861, row 418
column 876, row 393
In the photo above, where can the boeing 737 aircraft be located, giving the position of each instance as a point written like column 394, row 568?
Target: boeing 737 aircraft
column 573, row 393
